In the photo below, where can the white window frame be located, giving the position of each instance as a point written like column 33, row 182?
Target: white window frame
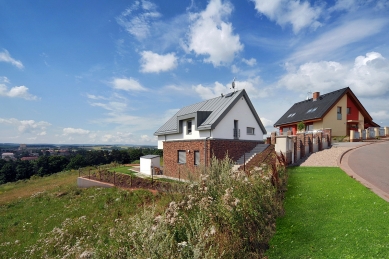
column 250, row 131
column 189, row 127
column 181, row 156
column 196, row 157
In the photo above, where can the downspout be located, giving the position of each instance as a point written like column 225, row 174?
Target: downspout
column 205, row 151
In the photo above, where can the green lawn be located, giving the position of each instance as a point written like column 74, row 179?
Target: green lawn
column 122, row 169
column 330, row 215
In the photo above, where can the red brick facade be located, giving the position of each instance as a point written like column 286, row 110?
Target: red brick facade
column 211, row 147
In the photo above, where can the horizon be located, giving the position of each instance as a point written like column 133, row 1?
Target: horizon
column 112, row 73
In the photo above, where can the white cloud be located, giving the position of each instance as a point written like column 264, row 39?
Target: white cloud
column 127, row 84
column 300, row 14
column 6, row 57
column 235, row 69
column 368, row 76
column 211, row 35
column 250, row 62
column 253, row 87
column 341, row 36
column 137, row 20
column 154, row 63
column 70, row 131
column 26, row 126
column 380, row 115
column 16, row 92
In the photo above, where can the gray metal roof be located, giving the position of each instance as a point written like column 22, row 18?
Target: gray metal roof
column 207, row 114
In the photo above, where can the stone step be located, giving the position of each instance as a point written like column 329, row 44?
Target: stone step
column 258, row 149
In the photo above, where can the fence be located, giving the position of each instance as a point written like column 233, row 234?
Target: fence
column 369, row 133
column 295, row 147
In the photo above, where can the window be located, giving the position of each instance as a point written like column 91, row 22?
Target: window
column 250, row 131
column 312, row 110
column 339, row 113
column 189, row 127
column 181, row 156
column 308, row 127
column 348, row 110
column 197, row 157
column 291, row 115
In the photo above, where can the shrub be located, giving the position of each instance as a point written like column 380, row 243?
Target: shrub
column 225, row 214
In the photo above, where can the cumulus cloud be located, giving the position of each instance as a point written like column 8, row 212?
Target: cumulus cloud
column 154, row 63
column 26, row 126
column 367, row 76
column 137, row 19
column 6, row 57
column 250, row 62
column 127, row 84
column 299, row 14
column 211, row 35
column 253, row 87
column 70, row 131
column 16, row 92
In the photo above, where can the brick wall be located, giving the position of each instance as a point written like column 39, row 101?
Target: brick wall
column 214, row 147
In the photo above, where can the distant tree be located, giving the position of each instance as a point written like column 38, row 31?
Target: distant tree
column 7, row 172
column 76, row 162
column 24, row 170
column 135, row 154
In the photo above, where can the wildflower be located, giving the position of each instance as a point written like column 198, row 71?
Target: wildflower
column 212, row 230
column 183, row 244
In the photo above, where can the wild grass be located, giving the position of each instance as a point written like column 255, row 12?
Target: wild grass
column 330, row 215
column 25, row 188
column 225, row 215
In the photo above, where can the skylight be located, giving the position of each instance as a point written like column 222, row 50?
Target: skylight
column 291, row 115
column 312, row 110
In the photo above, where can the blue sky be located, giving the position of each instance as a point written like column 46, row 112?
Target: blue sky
column 114, row 71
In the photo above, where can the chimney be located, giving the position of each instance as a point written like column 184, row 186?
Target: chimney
column 316, row 96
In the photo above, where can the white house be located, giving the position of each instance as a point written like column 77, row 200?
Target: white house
column 228, row 123
column 227, row 117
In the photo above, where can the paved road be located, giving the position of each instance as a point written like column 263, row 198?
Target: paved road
column 370, row 165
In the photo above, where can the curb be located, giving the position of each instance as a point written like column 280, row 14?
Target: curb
column 346, row 168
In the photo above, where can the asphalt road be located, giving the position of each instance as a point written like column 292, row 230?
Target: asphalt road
column 370, row 165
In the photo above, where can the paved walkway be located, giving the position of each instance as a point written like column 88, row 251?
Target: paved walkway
column 369, row 164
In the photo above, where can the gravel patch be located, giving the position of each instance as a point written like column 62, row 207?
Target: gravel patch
column 326, row 157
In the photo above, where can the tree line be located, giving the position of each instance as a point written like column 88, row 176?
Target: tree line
column 14, row 170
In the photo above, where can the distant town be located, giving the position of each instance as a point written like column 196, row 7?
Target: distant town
column 13, row 151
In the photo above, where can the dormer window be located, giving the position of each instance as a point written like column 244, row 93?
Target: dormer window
column 189, row 127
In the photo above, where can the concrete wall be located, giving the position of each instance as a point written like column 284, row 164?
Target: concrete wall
column 86, row 183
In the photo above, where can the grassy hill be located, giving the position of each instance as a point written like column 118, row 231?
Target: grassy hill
column 32, row 209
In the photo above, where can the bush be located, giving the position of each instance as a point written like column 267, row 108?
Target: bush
column 225, row 215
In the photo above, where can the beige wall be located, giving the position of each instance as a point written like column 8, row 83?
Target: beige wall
column 318, row 125
column 338, row 127
column 361, row 124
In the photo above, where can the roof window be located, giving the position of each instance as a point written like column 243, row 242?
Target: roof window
column 291, row 115
column 312, row 110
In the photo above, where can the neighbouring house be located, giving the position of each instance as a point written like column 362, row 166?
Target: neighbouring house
column 29, row 158
column 228, row 124
column 8, row 156
column 149, row 164
column 339, row 110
